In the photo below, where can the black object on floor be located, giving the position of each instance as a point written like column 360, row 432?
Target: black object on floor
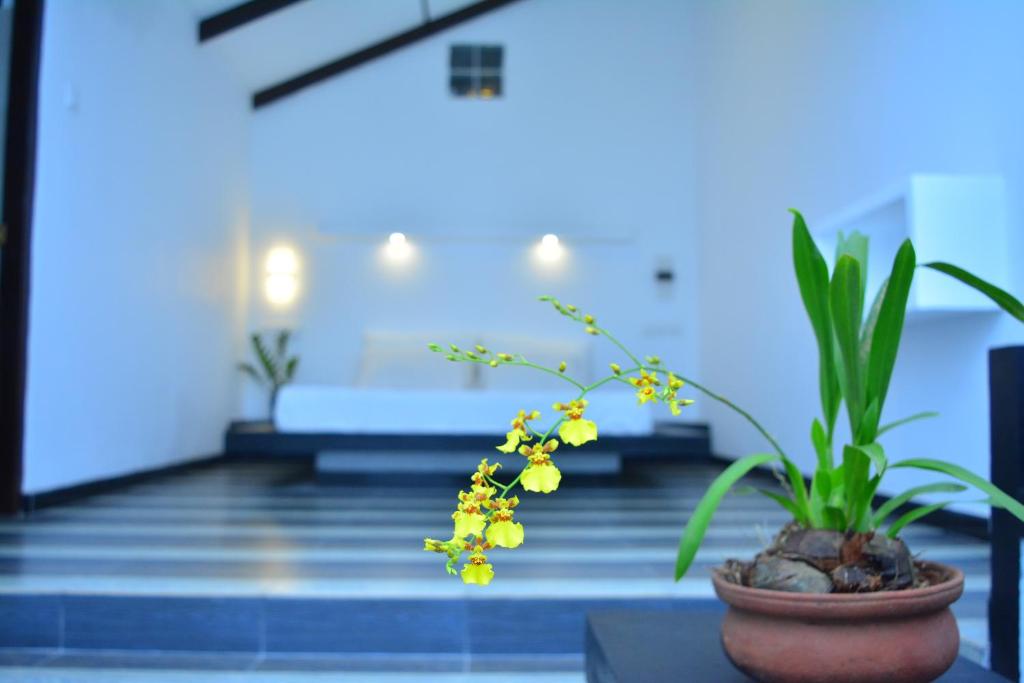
column 668, row 647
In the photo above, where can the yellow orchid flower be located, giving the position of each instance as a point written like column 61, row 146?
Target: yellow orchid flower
column 512, row 440
column 477, row 570
column 505, row 533
column 645, row 384
column 575, row 430
column 519, row 432
column 502, row 531
column 541, row 475
column 578, row 432
column 468, row 523
column 469, row 520
column 433, row 545
column 481, row 477
column 674, row 404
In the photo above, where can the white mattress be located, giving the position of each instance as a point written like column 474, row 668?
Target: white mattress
column 348, row 410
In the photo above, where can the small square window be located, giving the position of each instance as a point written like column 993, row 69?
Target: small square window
column 476, row 71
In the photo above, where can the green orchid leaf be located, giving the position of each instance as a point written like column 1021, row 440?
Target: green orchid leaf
column 796, row 482
column 782, row 500
column 899, row 423
column 891, row 505
column 917, row 513
column 870, row 323
column 845, row 301
column 1000, row 297
column 821, row 444
column 998, row 498
column 885, row 340
column 855, row 245
column 856, row 468
column 812, row 279
column 868, row 429
column 876, row 454
column 697, row 526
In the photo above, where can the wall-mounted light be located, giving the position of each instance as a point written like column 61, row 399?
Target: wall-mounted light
column 550, row 248
column 281, row 281
column 398, row 247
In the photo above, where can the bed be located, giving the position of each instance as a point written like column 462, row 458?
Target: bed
column 407, row 410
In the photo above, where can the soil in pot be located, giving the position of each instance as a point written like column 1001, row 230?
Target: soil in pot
column 803, row 560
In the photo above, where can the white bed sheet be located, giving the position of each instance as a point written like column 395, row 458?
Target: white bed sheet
column 349, row 410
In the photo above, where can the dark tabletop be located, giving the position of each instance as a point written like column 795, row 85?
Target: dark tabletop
column 677, row 647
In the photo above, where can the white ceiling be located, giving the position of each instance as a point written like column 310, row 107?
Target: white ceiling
column 307, row 34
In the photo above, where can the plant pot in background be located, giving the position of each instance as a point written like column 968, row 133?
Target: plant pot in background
column 906, row 636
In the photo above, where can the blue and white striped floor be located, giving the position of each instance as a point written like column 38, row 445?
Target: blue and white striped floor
column 266, row 530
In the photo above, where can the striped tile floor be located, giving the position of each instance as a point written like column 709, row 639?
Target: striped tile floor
column 267, row 531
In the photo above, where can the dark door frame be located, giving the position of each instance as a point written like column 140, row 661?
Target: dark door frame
column 19, row 184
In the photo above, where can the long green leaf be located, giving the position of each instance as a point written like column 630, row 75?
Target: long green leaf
column 856, row 469
column 1002, row 298
column 266, row 360
column 820, row 490
column 998, row 497
column 885, row 341
column 870, row 323
column 890, row 506
column 868, row 429
column 796, row 482
column 812, row 278
column 844, row 297
column 695, row 529
column 282, row 343
column 248, row 369
column 289, row 369
column 876, row 454
column 898, row 423
column 788, row 504
column 917, row 513
column 855, row 245
column 821, row 445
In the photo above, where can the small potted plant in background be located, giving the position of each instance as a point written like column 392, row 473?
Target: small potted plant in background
column 274, row 368
column 833, row 598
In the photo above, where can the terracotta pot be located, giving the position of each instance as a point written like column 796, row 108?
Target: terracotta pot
column 907, row 636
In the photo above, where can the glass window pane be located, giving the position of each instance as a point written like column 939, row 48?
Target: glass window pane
column 490, row 86
column 462, row 86
column 461, row 56
column 491, row 57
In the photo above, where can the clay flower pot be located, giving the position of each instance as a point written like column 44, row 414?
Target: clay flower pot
column 906, row 636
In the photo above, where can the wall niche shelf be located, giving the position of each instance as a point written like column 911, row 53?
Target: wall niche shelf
column 956, row 218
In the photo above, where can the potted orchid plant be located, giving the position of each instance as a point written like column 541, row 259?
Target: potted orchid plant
column 837, row 595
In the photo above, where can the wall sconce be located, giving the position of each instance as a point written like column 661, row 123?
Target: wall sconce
column 550, row 248
column 281, row 284
column 398, row 247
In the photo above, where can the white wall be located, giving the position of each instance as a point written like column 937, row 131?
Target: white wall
column 593, row 140
column 815, row 105
column 139, row 237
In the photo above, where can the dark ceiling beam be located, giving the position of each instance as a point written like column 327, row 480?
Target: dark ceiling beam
column 331, row 69
column 239, row 15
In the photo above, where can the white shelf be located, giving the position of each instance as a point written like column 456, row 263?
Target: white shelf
column 956, row 218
